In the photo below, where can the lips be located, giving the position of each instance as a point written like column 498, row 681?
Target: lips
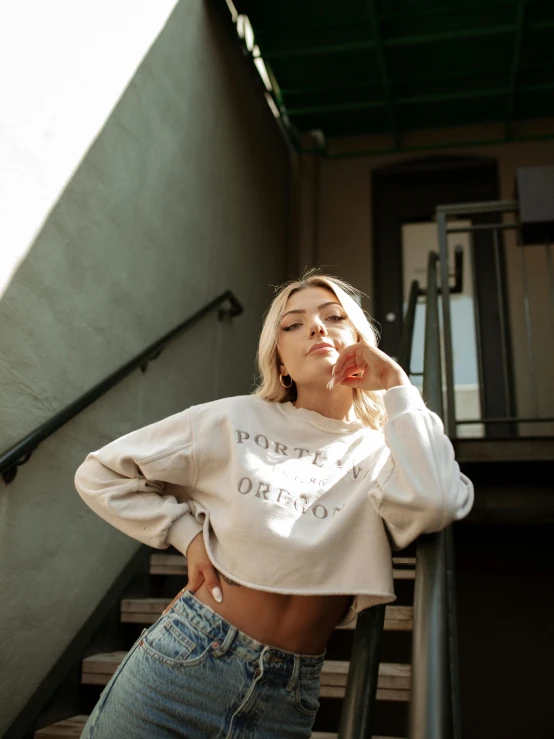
column 322, row 345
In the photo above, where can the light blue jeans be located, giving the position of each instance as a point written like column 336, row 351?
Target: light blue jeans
column 193, row 674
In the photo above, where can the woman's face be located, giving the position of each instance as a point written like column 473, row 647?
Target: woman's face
column 311, row 317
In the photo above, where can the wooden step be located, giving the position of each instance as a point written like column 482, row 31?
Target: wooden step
column 69, row 727
column 393, row 684
column 73, row 727
column 148, row 610
column 176, row 564
column 512, row 449
column 98, row 668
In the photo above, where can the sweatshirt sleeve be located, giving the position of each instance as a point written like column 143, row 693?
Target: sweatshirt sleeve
column 420, row 488
column 134, row 483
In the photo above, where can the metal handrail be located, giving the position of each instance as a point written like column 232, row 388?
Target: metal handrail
column 434, row 706
column 21, row 452
column 363, row 674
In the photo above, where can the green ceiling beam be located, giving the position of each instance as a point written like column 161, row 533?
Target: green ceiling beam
column 337, row 107
column 426, row 38
column 441, row 75
column 382, row 65
column 340, row 87
column 316, row 24
column 418, row 99
column 320, row 49
column 323, row 151
column 459, row 8
column 515, row 67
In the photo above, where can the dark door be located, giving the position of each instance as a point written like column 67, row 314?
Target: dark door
column 409, row 192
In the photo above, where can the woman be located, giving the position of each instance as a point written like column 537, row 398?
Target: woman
column 286, row 503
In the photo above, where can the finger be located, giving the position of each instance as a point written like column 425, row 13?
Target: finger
column 336, row 379
column 348, row 369
column 196, row 578
column 212, row 581
column 344, row 356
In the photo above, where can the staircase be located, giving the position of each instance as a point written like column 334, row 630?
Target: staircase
column 168, row 573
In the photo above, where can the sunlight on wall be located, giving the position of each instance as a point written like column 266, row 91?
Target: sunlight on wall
column 65, row 65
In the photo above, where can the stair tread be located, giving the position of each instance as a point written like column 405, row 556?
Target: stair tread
column 514, row 449
column 69, row 727
column 334, row 672
column 73, row 727
column 148, row 610
column 394, row 682
column 176, row 564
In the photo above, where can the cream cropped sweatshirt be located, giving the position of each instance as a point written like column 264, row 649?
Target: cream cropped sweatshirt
column 288, row 500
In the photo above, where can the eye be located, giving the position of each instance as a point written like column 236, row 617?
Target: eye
column 291, row 327
column 337, row 318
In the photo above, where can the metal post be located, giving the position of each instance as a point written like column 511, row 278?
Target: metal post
column 453, row 634
column 477, row 326
column 363, row 676
column 447, row 328
column 431, row 705
column 551, row 276
column 502, row 318
column 529, row 328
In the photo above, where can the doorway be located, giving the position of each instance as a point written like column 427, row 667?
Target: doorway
column 404, row 197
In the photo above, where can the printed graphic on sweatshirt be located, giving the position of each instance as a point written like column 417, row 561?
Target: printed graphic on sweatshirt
column 293, row 477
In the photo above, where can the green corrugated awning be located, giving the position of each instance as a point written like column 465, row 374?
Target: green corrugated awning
column 359, row 67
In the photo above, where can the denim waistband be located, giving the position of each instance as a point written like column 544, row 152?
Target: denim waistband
column 244, row 646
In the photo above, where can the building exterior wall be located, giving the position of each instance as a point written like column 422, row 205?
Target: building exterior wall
column 182, row 195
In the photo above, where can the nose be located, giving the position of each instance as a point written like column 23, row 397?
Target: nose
column 318, row 327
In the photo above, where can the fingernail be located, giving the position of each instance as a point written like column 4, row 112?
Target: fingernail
column 217, row 594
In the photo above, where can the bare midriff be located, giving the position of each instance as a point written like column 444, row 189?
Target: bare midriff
column 296, row 623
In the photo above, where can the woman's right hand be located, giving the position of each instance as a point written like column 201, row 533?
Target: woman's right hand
column 199, row 569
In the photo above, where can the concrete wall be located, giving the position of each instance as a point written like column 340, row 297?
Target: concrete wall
column 335, row 230
column 183, row 194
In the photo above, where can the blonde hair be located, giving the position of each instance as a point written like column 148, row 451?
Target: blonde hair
column 368, row 405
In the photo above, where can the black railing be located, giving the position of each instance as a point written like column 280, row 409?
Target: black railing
column 434, row 704
column 494, row 344
column 363, row 674
column 21, row 452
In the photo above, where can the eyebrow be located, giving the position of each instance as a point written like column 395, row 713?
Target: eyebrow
column 319, row 307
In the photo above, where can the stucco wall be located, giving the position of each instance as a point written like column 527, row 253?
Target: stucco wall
column 182, row 195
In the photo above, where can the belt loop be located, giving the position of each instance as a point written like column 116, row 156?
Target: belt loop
column 229, row 636
column 294, row 678
column 260, row 670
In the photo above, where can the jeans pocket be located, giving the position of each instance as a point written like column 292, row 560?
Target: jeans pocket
column 306, row 696
column 176, row 642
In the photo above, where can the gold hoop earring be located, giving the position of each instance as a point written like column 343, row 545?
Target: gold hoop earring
column 282, row 383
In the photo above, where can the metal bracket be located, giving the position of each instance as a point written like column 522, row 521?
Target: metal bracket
column 10, row 474
column 144, row 365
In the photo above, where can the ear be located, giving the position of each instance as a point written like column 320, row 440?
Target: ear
column 282, row 369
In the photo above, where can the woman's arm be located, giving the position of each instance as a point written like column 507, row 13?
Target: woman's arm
column 132, row 483
column 419, row 487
